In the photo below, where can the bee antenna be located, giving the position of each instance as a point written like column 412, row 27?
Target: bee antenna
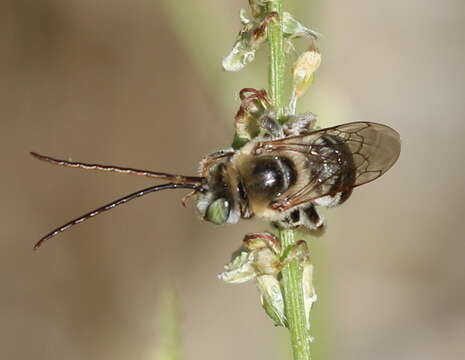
column 179, row 179
column 112, row 205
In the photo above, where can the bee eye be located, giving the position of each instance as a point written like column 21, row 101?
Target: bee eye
column 218, row 211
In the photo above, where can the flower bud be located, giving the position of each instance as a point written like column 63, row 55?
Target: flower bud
column 292, row 28
column 272, row 299
column 258, row 8
column 308, row 290
column 239, row 270
column 304, row 68
column 242, row 52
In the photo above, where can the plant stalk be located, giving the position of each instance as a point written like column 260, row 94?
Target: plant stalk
column 294, row 301
column 292, row 274
column 277, row 58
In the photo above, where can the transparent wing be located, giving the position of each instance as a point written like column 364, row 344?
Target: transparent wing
column 341, row 157
column 374, row 148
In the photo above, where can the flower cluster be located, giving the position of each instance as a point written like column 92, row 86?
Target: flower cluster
column 253, row 33
column 261, row 258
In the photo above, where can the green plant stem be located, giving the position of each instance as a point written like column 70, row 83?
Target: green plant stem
column 294, row 301
column 292, row 274
column 277, row 58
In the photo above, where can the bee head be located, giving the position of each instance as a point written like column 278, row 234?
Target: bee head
column 216, row 202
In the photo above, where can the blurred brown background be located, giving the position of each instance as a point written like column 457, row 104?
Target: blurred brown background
column 139, row 83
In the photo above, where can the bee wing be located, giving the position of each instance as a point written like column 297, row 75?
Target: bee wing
column 374, row 149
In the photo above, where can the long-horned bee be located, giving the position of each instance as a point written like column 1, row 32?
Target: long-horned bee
column 282, row 174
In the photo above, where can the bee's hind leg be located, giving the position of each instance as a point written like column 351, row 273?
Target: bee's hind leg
column 312, row 219
column 308, row 217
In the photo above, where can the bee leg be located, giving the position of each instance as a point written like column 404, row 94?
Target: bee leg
column 290, row 221
column 308, row 217
column 298, row 124
column 311, row 218
column 187, row 197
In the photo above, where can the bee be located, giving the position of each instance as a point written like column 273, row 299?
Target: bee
column 282, row 175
